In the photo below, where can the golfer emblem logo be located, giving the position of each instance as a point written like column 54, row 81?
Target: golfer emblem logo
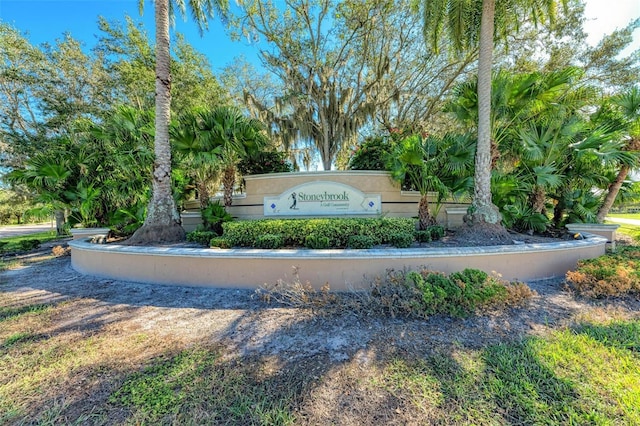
column 294, row 204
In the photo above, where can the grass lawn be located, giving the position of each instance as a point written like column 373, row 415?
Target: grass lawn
column 632, row 231
column 14, row 245
column 86, row 360
column 9, row 244
column 49, row 374
column 625, row 215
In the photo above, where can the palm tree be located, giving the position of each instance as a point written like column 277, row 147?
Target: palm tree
column 162, row 223
column 440, row 165
column 48, row 178
column 629, row 106
column 459, row 19
column 101, row 169
column 197, row 156
column 234, row 137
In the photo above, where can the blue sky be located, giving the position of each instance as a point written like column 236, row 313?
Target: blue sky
column 46, row 20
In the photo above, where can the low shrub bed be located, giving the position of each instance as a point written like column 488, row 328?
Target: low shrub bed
column 424, row 293
column 201, row 237
column 414, row 294
column 614, row 274
column 314, row 233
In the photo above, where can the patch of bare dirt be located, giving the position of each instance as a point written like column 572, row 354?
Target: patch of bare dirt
column 343, row 348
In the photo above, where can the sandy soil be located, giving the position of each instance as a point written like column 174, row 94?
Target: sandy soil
column 249, row 325
column 298, row 338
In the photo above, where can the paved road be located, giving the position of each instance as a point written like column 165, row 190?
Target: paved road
column 623, row 220
column 15, row 230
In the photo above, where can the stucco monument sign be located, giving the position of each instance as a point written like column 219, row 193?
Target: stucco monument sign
column 322, row 198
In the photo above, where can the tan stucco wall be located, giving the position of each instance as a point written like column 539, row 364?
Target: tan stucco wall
column 395, row 203
column 342, row 269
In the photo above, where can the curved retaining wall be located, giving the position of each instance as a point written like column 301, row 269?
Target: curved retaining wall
column 342, row 269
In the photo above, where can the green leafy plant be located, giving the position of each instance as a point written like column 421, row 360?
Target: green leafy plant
column 201, row 237
column 423, row 236
column 263, row 162
column 31, row 244
column 436, row 232
column 270, row 241
column 361, row 242
column 372, row 154
column 220, row 242
column 213, row 216
column 125, row 221
column 295, row 231
column 424, row 293
column 401, row 239
column 318, row 242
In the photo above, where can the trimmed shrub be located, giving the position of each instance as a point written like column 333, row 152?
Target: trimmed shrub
column 436, row 231
column 387, row 226
column 269, row 241
column 219, row 242
column 3, row 244
column 317, row 242
column 401, row 239
column 295, row 231
column 361, row 242
column 201, row 237
column 423, row 236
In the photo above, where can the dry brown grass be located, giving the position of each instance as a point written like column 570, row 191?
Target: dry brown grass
column 73, row 349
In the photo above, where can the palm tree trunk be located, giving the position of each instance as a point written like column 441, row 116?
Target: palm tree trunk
column 484, row 210
column 203, row 194
column 228, row 181
column 612, row 193
column 560, row 208
column 162, row 224
column 538, row 199
column 425, row 219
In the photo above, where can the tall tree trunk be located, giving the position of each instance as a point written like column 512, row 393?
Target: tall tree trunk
column 326, row 144
column 162, row 224
column 484, row 210
column 425, row 219
column 612, row 193
column 228, row 182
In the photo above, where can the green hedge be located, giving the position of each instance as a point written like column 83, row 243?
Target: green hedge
column 361, row 242
column 401, row 239
column 337, row 230
column 269, row 241
column 317, row 242
column 201, row 237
